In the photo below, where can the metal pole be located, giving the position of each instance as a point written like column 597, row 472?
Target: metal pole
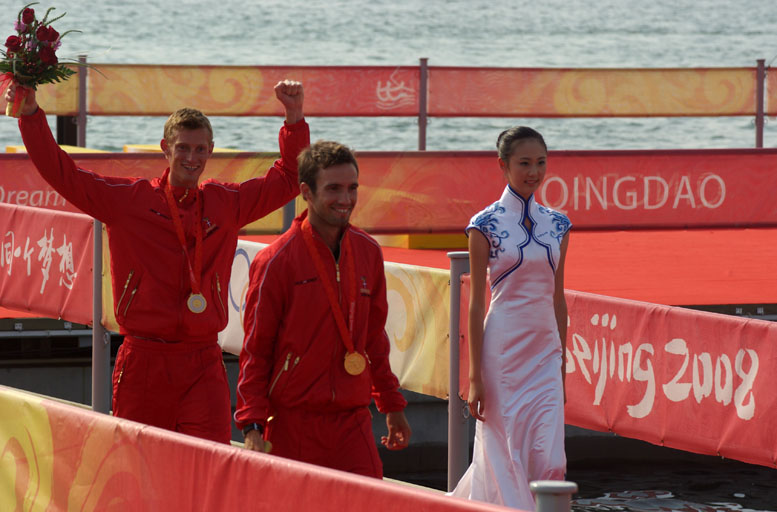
column 422, row 97
column 458, row 438
column 81, row 138
column 289, row 210
column 553, row 495
column 760, row 78
column 101, row 348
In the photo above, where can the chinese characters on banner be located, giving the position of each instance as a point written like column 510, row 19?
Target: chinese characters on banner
column 46, row 262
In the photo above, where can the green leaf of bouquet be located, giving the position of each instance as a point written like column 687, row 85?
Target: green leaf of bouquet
column 44, row 22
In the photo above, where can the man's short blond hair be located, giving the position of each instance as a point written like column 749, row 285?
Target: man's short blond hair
column 186, row 119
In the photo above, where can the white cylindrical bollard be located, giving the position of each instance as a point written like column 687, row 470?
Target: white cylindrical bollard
column 553, row 495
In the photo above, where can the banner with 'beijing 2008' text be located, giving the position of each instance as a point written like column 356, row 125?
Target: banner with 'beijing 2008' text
column 46, row 262
column 686, row 379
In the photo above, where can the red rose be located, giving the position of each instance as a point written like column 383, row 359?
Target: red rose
column 47, row 56
column 28, row 16
column 46, row 33
column 13, row 43
column 42, row 33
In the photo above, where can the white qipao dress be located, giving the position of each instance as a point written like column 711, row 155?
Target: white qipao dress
column 522, row 438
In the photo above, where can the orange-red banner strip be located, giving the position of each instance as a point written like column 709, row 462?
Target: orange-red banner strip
column 68, row 458
column 432, row 191
column 248, row 90
column 562, row 92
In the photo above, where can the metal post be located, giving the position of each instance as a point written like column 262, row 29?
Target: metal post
column 458, row 438
column 289, row 211
column 81, row 138
column 760, row 78
column 101, row 348
column 553, row 495
column 422, row 97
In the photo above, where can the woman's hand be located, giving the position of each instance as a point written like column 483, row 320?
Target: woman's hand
column 476, row 399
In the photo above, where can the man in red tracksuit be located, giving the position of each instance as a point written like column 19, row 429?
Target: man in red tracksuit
column 315, row 350
column 172, row 242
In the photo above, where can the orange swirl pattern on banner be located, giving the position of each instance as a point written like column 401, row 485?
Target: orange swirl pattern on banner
column 417, row 327
column 248, row 90
column 60, row 457
column 59, row 99
column 26, row 448
column 505, row 92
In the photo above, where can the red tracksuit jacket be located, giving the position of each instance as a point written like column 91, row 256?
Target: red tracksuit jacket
column 293, row 352
column 150, row 272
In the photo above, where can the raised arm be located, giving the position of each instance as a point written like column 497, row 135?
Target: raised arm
column 262, row 195
column 87, row 191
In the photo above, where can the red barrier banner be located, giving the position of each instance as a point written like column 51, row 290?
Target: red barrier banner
column 440, row 191
column 505, row 92
column 675, row 377
column 62, row 457
column 248, row 90
column 46, row 262
column 432, row 191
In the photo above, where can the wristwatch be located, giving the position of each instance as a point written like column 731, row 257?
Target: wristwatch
column 253, row 426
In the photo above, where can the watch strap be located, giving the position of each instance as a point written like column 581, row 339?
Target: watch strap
column 253, row 426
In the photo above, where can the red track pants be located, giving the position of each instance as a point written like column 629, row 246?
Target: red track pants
column 175, row 386
column 339, row 440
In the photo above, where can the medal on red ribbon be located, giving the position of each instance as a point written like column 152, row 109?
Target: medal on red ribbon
column 196, row 301
column 354, row 362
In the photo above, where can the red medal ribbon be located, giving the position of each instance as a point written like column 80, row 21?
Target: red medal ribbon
column 195, row 272
column 345, row 331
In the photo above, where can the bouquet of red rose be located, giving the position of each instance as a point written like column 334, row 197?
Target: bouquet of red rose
column 30, row 58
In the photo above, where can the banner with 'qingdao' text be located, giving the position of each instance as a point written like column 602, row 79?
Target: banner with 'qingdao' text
column 432, row 191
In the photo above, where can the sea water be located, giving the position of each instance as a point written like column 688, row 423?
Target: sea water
column 476, row 33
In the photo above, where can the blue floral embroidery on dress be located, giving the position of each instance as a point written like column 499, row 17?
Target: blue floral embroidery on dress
column 487, row 221
column 560, row 223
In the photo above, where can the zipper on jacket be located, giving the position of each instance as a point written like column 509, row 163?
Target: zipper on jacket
column 129, row 301
column 126, row 285
column 118, row 381
column 284, row 369
column 218, row 294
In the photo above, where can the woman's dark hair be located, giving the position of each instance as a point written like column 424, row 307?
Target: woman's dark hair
column 506, row 140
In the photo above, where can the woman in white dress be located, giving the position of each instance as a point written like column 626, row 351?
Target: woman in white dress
column 516, row 389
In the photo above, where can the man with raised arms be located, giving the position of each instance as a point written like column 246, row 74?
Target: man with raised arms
column 172, row 241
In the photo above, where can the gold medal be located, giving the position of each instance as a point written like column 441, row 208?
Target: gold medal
column 196, row 303
column 354, row 363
